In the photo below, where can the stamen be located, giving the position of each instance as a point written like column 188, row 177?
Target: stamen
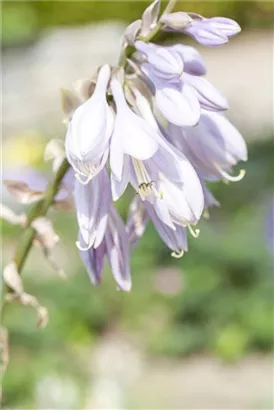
column 232, row 178
column 194, row 232
column 146, row 186
column 82, row 248
column 178, row 255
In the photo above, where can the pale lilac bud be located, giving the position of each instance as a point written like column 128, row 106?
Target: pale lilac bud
column 131, row 32
column 132, row 135
column 92, row 203
column 163, row 61
column 87, row 140
column 149, row 17
column 211, row 32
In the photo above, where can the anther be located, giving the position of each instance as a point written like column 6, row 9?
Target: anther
column 194, row 232
column 178, row 255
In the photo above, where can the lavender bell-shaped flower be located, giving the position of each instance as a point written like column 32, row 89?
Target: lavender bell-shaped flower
column 92, row 203
column 87, row 139
column 115, row 246
column 213, row 146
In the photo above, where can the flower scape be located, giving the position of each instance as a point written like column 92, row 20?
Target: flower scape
column 153, row 122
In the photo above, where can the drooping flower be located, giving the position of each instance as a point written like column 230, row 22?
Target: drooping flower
column 92, row 201
column 213, row 146
column 115, row 246
column 89, row 131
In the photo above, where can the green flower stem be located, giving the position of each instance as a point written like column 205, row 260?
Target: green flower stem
column 39, row 209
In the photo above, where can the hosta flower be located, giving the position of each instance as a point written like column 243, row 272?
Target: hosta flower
column 87, row 139
column 92, row 201
column 213, row 146
column 210, row 32
column 115, row 246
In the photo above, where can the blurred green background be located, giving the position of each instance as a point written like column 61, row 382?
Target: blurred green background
column 23, row 21
column 217, row 300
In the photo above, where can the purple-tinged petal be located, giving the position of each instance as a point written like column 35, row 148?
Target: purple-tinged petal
column 178, row 105
column 213, row 146
column 209, row 97
column 163, row 62
column 92, row 205
column 117, row 247
column 193, row 61
column 225, row 25
column 206, row 34
column 93, row 260
column 175, row 238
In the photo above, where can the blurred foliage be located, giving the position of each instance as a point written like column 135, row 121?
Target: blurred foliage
column 222, row 302
column 22, row 21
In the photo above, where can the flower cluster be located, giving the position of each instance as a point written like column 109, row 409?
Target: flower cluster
column 156, row 123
